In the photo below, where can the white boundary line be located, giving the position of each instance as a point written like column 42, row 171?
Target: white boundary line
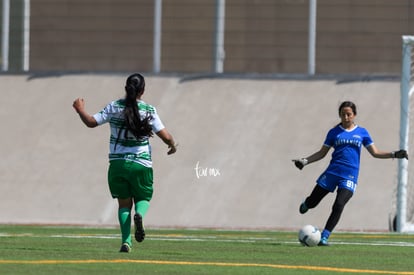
column 166, row 237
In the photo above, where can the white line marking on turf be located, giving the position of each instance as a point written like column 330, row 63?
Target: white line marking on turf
column 160, row 237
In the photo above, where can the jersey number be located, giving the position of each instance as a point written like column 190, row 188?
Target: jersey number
column 351, row 185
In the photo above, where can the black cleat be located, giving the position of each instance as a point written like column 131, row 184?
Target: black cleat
column 303, row 208
column 125, row 248
column 139, row 228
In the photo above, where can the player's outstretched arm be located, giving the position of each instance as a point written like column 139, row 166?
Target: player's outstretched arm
column 302, row 162
column 373, row 150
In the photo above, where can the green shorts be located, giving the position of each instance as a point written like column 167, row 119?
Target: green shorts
column 128, row 179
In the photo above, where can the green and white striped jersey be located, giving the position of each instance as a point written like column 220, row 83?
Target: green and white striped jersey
column 128, row 148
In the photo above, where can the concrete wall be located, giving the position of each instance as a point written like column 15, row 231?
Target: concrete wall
column 262, row 36
column 53, row 168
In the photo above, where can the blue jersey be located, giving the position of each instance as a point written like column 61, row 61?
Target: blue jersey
column 347, row 146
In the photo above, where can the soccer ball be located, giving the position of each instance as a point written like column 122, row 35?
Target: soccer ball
column 309, row 235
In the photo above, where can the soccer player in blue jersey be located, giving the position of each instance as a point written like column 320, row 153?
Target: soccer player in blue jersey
column 347, row 139
column 130, row 175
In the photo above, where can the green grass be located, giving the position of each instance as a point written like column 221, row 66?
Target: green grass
column 76, row 250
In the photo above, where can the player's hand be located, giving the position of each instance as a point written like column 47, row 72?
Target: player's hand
column 300, row 163
column 400, row 154
column 173, row 149
column 79, row 104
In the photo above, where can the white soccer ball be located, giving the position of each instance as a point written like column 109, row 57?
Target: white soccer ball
column 309, row 235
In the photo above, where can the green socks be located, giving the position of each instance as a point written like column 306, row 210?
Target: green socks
column 141, row 207
column 124, row 217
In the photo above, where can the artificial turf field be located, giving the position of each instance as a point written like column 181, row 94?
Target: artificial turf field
column 79, row 250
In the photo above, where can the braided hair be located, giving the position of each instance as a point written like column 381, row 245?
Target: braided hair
column 135, row 86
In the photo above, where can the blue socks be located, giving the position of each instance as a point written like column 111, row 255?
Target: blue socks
column 325, row 234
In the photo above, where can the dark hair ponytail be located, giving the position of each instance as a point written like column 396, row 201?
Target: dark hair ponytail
column 135, row 86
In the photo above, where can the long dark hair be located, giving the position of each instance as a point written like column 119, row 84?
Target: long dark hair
column 135, row 86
